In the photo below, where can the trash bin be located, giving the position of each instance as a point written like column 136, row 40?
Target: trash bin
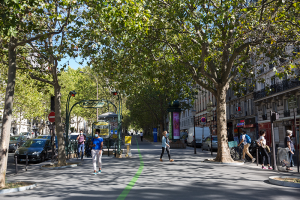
column 282, row 158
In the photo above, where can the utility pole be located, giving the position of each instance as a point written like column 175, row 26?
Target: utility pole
column 273, row 117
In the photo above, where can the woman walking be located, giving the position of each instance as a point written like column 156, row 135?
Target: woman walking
column 288, row 143
column 97, row 146
column 165, row 145
column 262, row 148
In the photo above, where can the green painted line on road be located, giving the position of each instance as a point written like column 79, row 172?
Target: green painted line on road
column 125, row 192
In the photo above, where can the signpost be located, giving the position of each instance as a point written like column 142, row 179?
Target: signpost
column 292, row 101
column 51, row 117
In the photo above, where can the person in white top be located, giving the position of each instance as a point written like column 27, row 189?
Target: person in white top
column 246, row 146
column 262, row 149
column 141, row 134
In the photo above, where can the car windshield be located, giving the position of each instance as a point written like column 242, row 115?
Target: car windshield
column 43, row 137
column 215, row 139
column 14, row 138
column 34, row 143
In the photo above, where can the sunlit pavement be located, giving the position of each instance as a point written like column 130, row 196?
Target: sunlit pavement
column 186, row 178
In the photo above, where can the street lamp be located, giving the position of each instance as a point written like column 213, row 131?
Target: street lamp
column 194, row 115
column 97, row 86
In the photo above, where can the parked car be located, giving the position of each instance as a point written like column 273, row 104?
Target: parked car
column 27, row 134
column 200, row 132
column 37, row 150
column 208, row 145
column 15, row 142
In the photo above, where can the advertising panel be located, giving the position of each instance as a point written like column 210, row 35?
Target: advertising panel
column 104, row 128
column 170, row 126
column 176, row 126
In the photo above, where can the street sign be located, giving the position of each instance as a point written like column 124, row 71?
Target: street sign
column 292, row 102
column 115, row 136
column 92, row 104
column 203, row 120
column 51, row 117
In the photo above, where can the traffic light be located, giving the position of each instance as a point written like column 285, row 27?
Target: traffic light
column 114, row 93
column 73, row 93
column 274, row 116
column 52, row 106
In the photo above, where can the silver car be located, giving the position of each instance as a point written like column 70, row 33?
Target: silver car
column 207, row 144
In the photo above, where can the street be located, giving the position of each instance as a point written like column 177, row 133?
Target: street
column 186, row 178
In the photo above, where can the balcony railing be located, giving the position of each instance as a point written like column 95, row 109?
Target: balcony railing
column 287, row 113
column 265, row 117
column 279, row 87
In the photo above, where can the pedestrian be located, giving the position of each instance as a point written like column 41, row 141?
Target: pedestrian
column 165, row 146
column 246, row 140
column 293, row 141
column 141, row 134
column 288, row 143
column 262, row 149
column 97, row 146
column 81, row 139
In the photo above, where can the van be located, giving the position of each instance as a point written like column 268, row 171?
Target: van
column 199, row 135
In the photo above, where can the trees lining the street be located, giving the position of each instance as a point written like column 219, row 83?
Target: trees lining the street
column 211, row 41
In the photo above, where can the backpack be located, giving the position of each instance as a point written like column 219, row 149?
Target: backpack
column 248, row 139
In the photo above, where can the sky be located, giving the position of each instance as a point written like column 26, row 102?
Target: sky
column 73, row 63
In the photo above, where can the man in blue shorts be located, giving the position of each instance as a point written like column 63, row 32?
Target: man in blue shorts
column 97, row 146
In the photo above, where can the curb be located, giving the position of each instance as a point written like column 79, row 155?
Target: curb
column 19, row 189
column 223, row 163
column 62, row 167
column 284, row 183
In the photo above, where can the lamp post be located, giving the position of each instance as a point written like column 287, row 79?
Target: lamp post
column 97, row 87
column 71, row 94
column 115, row 93
column 194, row 115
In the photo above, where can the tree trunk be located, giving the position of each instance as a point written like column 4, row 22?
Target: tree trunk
column 7, row 114
column 59, row 126
column 223, row 154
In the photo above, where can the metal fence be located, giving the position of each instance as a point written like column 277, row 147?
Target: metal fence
column 275, row 88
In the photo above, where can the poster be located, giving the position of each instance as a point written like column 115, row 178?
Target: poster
column 170, row 126
column 176, row 126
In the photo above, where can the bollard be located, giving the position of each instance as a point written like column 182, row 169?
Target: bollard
column 257, row 156
column 26, row 161
column 211, row 149
column 16, row 161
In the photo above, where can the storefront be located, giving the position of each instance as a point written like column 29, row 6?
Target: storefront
column 245, row 124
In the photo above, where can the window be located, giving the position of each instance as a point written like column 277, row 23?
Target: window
column 273, row 80
column 274, row 106
column 286, row 105
column 262, row 86
column 264, row 109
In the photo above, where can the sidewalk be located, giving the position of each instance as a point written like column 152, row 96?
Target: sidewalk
column 186, row 178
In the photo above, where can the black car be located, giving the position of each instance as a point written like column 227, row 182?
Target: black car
column 15, row 142
column 37, row 150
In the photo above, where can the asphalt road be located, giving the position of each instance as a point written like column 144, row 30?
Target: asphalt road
column 144, row 177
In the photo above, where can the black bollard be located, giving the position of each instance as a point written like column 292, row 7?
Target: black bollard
column 16, row 161
column 257, row 156
column 26, row 161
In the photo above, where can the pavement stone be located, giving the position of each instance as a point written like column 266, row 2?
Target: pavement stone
column 186, row 178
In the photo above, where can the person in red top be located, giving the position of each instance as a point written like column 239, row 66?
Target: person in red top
column 81, row 139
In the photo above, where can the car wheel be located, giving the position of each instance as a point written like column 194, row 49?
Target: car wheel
column 42, row 158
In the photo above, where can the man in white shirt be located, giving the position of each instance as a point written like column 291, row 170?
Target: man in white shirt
column 141, row 134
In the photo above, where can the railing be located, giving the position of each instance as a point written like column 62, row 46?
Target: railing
column 265, row 117
column 287, row 113
column 279, row 87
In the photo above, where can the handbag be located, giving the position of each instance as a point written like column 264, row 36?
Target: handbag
column 268, row 149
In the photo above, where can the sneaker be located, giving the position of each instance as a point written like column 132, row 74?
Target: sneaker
column 171, row 160
column 160, row 160
column 263, row 167
column 270, row 168
column 253, row 159
column 243, row 160
column 95, row 173
column 99, row 172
